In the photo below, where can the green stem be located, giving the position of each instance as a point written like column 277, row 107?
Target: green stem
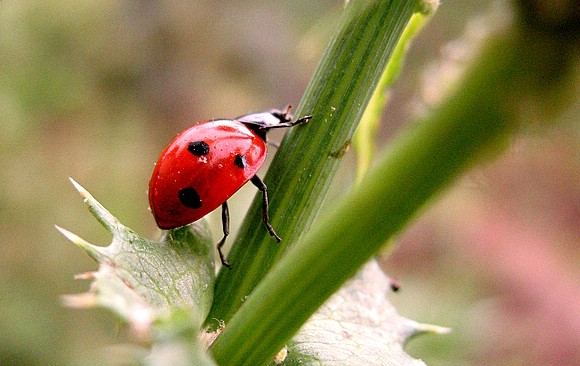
column 473, row 122
column 303, row 168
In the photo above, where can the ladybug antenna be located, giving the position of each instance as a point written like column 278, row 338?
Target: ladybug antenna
column 287, row 110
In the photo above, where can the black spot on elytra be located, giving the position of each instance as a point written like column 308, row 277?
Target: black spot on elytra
column 189, row 198
column 240, row 161
column 198, row 148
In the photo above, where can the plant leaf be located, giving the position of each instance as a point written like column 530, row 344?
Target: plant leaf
column 358, row 326
column 144, row 280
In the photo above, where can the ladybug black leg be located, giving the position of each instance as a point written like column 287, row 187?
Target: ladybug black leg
column 265, row 217
column 226, row 229
column 299, row 121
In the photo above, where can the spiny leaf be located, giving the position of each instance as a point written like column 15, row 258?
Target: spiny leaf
column 358, row 326
column 141, row 279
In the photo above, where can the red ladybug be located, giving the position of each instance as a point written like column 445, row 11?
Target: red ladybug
column 207, row 163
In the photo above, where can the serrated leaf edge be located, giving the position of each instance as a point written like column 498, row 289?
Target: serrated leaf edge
column 104, row 216
column 92, row 250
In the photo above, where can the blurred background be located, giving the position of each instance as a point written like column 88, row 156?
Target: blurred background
column 95, row 89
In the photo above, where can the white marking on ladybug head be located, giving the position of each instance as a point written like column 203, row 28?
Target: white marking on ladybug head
column 265, row 119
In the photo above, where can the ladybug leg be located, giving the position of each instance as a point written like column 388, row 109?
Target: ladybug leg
column 265, row 217
column 226, row 229
column 299, row 121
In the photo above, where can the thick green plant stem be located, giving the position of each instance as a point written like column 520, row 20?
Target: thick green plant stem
column 515, row 67
column 303, row 168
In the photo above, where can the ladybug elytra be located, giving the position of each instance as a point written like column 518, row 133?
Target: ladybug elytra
column 207, row 163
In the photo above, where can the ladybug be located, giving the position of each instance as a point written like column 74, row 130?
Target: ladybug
column 207, row 163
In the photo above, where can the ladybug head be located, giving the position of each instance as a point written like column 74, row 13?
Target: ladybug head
column 274, row 118
column 266, row 120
